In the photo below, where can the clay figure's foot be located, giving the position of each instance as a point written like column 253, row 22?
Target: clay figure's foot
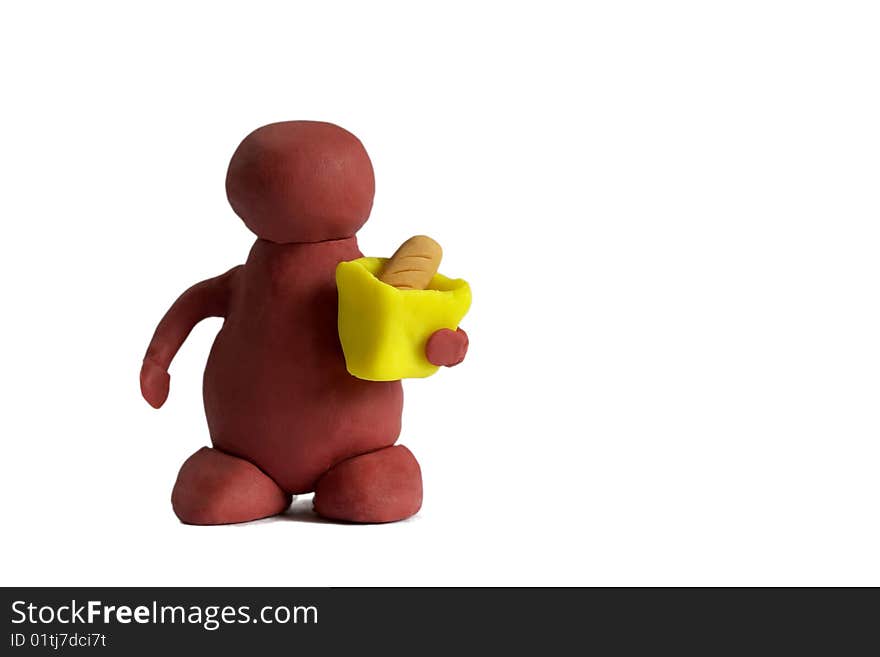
column 215, row 488
column 380, row 486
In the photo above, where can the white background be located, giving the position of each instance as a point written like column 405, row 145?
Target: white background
column 668, row 213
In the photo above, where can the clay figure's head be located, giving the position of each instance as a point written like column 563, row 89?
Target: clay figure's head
column 301, row 181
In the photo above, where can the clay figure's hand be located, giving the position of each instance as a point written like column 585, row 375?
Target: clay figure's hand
column 209, row 298
column 154, row 383
column 446, row 347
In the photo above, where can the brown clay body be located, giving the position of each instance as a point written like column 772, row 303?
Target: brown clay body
column 284, row 415
column 276, row 389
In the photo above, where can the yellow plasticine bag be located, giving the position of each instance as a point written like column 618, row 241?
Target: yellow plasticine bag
column 383, row 329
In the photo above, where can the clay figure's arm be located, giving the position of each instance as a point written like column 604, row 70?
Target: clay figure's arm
column 209, row 298
column 446, row 347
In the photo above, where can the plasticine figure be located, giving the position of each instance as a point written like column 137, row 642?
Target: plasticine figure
column 284, row 415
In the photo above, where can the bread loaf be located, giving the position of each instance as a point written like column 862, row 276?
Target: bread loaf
column 413, row 265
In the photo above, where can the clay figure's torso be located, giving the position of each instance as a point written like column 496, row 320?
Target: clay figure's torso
column 276, row 389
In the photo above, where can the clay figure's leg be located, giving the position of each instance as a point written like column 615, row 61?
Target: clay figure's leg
column 380, row 486
column 215, row 488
